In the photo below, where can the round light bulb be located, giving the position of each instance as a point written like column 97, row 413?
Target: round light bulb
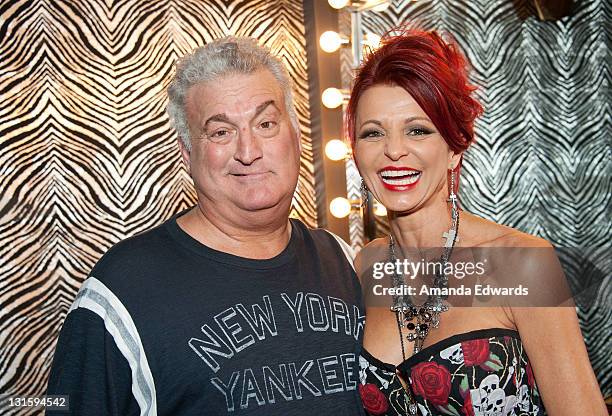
column 380, row 210
column 340, row 207
column 337, row 4
column 330, row 41
column 372, row 40
column 336, row 149
column 381, row 7
column 332, row 97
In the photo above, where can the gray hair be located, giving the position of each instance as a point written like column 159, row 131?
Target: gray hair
column 226, row 56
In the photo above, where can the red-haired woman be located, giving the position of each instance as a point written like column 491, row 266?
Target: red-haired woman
column 410, row 118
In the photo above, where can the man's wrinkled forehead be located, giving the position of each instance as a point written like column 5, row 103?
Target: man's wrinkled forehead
column 266, row 106
column 236, row 96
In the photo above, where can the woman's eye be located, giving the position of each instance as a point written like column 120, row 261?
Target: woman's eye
column 370, row 134
column 418, row 131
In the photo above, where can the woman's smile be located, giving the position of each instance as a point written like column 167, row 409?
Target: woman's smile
column 399, row 179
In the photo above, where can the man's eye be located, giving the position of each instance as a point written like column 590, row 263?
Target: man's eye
column 220, row 133
column 267, row 124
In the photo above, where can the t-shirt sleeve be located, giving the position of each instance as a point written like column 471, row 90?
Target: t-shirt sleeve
column 348, row 251
column 89, row 368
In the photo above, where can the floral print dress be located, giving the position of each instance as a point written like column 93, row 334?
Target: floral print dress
column 479, row 373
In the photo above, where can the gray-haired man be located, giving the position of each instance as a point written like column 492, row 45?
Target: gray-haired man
column 229, row 307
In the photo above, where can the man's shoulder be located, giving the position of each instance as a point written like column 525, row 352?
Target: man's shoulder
column 326, row 240
column 135, row 255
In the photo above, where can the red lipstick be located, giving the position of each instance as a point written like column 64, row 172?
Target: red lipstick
column 399, row 178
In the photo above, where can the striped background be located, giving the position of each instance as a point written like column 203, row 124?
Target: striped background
column 87, row 155
column 542, row 158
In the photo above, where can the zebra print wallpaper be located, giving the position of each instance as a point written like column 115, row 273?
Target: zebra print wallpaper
column 542, row 158
column 87, row 155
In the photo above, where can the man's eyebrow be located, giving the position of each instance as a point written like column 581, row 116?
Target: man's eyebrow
column 261, row 107
column 221, row 118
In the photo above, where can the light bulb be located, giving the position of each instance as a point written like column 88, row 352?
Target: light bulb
column 372, row 40
column 330, row 41
column 332, row 97
column 380, row 210
column 340, row 207
column 336, row 149
column 381, row 7
column 337, row 4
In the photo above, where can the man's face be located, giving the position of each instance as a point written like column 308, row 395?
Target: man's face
column 244, row 153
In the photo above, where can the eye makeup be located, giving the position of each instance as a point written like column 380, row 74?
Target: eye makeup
column 370, row 134
column 418, row 131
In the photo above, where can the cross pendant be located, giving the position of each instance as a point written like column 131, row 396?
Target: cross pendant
column 450, row 236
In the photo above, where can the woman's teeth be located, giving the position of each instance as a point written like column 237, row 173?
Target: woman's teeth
column 400, row 177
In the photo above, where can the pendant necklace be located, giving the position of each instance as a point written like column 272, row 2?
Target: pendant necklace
column 420, row 319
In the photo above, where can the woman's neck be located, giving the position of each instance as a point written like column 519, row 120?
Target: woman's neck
column 423, row 228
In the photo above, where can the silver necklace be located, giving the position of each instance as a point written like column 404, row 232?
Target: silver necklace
column 419, row 319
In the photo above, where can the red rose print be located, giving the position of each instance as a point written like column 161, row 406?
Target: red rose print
column 475, row 352
column 374, row 401
column 467, row 408
column 530, row 379
column 431, row 381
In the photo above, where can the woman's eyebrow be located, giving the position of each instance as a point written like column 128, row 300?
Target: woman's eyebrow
column 378, row 123
column 411, row 119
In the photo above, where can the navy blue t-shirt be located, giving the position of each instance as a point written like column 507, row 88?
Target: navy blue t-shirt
column 165, row 325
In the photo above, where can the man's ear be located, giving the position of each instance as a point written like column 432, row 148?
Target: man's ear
column 185, row 155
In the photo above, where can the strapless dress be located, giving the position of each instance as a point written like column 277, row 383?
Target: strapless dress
column 479, row 373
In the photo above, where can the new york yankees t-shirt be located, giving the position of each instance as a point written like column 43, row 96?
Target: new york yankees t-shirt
column 165, row 325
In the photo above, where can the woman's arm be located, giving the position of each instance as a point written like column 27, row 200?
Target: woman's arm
column 559, row 360
column 555, row 346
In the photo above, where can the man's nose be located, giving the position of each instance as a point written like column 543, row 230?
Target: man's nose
column 248, row 148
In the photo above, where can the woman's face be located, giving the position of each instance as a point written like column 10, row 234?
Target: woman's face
column 400, row 154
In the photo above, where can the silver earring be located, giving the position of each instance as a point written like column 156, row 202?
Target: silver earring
column 452, row 197
column 364, row 194
column 451, row 235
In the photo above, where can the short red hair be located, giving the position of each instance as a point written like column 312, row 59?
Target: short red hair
column 433, row 71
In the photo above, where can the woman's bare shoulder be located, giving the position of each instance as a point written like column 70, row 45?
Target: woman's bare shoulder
column 481, row 232
column 374, row 251
column 514, row 257
column 377, row 243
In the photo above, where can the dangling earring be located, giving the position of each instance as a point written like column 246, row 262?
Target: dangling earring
column 364, row 194
column 451, row 235
column 452, row 197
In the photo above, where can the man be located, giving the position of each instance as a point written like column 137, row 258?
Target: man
column 230, row 307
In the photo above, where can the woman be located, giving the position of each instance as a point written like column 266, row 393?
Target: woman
column 410, row 118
